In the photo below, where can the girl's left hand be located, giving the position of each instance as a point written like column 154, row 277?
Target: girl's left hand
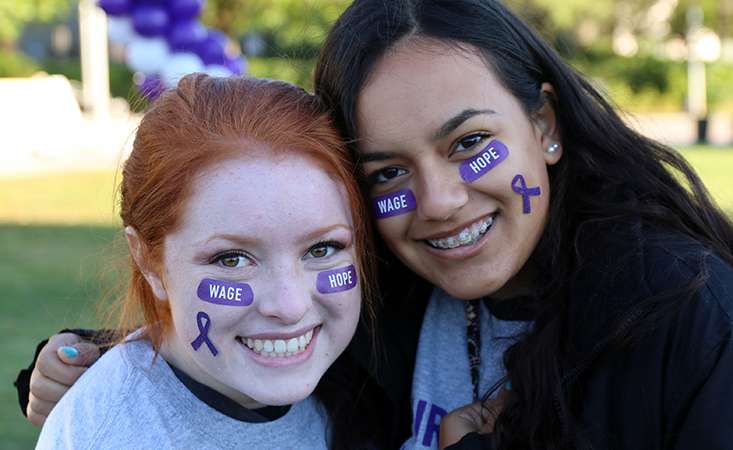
column 469, row 419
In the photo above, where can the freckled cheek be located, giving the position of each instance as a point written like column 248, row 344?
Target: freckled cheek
column 186, row 306
column 341, row 302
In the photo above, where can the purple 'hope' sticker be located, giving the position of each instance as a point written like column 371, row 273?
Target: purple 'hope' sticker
column 336, row 280
column 394, row 204
column 488, row 158
column 225, row 292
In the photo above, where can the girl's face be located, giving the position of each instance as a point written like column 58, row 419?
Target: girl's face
column 425, row 117
column 273, row 224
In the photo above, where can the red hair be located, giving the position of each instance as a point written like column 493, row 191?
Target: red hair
column 203, row 121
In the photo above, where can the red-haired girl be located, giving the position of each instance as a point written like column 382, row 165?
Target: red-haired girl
column 247, row 271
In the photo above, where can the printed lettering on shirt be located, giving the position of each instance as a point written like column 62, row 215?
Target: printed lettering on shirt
column 426, row 423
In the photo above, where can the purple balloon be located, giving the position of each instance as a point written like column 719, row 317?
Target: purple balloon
column 235, row 65
column 185, row 9
column 151, row 87
column 186, row 36
column 115, row 7
column 212, row 50
column 150, row 20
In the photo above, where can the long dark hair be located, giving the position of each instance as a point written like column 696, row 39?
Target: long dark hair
column 608, row 172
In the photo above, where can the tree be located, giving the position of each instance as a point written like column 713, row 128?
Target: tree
column 14, row 14
column 291, row 27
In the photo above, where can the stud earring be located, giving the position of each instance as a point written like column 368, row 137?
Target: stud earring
column 553, row 148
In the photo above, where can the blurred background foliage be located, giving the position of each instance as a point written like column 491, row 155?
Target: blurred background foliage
column 633, row 49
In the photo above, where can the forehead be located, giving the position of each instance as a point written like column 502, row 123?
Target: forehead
column 421, row 83
column 259, row 192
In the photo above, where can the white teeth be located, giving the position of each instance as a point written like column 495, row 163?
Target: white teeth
column 292, row 345
column 279, row 347
column 467, row 236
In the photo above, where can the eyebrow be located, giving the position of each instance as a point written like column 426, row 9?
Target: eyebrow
column 243, row 240
column 454, row 122
column 323, row 230
column 447, row 128
column 374, row 156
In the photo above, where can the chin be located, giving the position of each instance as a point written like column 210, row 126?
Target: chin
column 284, row 395
column 469, row 289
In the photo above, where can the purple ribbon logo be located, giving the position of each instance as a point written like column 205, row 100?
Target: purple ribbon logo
column 203, row 322
column 225, row 292
column 474, row 168
column 394, row 204
column 336, row 280
column 520, row 187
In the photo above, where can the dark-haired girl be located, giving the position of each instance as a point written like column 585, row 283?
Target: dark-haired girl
column 579, row 271
column 549, row 275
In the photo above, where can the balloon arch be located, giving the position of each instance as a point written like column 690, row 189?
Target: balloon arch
column 164, row 40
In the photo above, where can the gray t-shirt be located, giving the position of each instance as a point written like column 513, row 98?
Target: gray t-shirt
column 123, row 401
column 442, row 381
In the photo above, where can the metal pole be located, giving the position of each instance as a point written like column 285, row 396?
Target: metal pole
column 94, row 59
column 697, row 102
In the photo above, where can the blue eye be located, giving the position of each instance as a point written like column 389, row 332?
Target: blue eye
column 231, row 260
column 468, row 142
column 324, row 249
column 384, row 175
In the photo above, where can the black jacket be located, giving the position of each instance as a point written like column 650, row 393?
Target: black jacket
column 673, row 387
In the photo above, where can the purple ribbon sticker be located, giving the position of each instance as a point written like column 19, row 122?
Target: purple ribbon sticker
column 474, row 168
column 203, row 322
column 520, row 187
column 225, row 292
column 336, row 280
column 394, row 204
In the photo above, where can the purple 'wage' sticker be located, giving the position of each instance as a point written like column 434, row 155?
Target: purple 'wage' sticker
column 225, row 292
column 336, row 280
column 488, row 158
column 394, row 204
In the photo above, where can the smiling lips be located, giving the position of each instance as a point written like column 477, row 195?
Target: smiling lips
column 279, row 348
column 466, row 237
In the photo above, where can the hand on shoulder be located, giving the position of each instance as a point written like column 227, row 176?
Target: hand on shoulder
column 60, row 363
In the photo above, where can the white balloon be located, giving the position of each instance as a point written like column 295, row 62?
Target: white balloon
column 216, row 70
column 147, row 55
column 178, row 65
column 119, row 30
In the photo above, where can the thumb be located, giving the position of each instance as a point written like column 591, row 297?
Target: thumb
column 79, row 354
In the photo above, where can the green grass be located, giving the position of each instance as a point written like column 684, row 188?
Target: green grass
column 715, row 167
column 50, row 280
column 67, row 198
column 55, row 238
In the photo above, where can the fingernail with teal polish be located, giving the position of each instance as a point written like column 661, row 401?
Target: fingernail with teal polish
column 70, row 352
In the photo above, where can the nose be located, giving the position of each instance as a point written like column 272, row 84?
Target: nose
column 440, row 191
column 287, row 300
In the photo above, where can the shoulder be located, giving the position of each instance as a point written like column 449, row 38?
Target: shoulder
column 88, row 412
column 628, row 270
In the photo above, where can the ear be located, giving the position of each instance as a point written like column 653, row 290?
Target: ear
column 545, row 120
column 136, row 246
